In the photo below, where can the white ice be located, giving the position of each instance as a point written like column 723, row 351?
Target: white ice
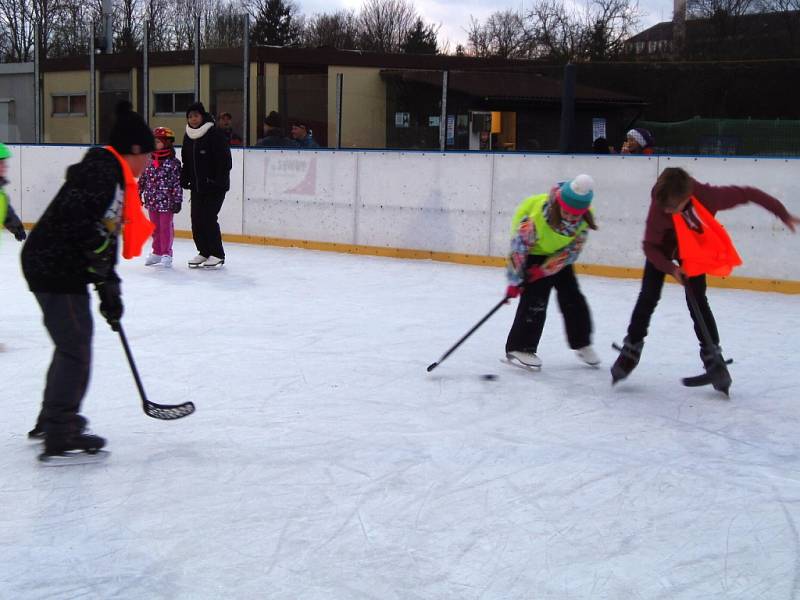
column 324, row 462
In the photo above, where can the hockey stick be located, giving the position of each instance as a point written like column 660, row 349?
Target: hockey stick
column 432, row 366
column 167, row 412
column 718, row 375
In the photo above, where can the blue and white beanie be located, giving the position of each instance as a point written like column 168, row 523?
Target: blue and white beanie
column 576, row 195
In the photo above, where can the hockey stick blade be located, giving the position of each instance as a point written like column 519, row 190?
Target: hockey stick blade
column 167, row 412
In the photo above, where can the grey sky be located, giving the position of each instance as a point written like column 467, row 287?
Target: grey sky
column 453, row 15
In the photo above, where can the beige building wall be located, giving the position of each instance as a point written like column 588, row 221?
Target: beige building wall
column 70, row 129
column 176, row 79
column 363, row 107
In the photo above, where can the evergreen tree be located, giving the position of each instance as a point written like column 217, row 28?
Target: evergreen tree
column 276, row 23
column 420, row 39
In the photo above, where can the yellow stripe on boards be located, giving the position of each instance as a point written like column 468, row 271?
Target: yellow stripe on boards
column 738, row 283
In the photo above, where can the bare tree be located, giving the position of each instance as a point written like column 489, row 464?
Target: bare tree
column 127, row 18
column 557, row 33
column 18, row 21
column 337, row 30
column 503, row 34
column 384, row 24
column 223, row 25
column 160, row 14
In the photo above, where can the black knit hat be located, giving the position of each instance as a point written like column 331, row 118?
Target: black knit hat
column 273, row 119
column 130, row 134
column 196, row 107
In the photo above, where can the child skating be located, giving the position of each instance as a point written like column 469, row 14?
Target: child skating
column 160, row 188
column 548, row 232
column 8, row 217
column 679, row 200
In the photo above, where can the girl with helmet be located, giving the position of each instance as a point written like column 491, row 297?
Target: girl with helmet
column 160, row 188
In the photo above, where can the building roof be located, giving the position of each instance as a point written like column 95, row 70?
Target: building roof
column 510, row 85
column 748, row 25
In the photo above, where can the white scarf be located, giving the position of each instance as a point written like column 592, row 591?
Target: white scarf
column 196, row 134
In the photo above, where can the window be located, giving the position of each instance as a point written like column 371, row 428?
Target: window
column 67, row 105
column 172, row 103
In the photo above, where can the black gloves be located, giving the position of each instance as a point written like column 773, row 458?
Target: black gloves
column 101, row 263
column 14, row 225
column 110, row 302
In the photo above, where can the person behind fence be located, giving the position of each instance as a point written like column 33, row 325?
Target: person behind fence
column 638, row 141
column 682, row 206
column 72, row 245
column 160, row 189
column 303, row 135
column 548, row 232
column 206, row 160
column 273, row 133
column 225, row 124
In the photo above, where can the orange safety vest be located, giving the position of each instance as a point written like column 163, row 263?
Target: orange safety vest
column 704, row 246
column 136, row 227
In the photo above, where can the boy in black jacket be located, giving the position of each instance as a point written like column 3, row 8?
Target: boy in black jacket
column 206, row 158
column 73, row 244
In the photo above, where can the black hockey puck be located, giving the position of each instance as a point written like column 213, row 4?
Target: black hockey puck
column 489, row 377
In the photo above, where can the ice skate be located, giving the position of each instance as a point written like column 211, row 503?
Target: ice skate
column 166, row 261
column 72, row 448
column 212, row 262
column 37, row 434
column 153, row 259
column 629, row 355
column 525, row 360
column 588, row 355
column 197, row 261
column 716, row 367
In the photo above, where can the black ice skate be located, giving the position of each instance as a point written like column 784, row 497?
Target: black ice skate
column 716, row 374
column 72, row 449
column 37, row 434
column 629, row 355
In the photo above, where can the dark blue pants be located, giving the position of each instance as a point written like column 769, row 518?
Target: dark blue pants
column 650, row 294
column 68, row 319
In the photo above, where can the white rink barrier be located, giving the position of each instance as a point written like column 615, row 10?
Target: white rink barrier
column 453, row 203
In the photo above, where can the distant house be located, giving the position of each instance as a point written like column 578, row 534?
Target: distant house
column 723, row 36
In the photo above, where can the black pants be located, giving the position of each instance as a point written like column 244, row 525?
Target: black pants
column 532, row 311
column 650, row 294
column 205, row 227
column 68, row 319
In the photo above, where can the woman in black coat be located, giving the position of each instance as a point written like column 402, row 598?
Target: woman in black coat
column 206, row 159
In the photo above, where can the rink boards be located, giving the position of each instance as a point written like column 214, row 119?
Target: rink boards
column 456, row 205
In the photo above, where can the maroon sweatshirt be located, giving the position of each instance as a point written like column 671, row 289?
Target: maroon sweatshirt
column 660, row 242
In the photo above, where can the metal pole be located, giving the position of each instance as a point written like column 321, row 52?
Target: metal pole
column 108, row 27
column 37, row 86
column 567, row 110
column 146, row 71
column 197, row 58
column 443, row 116
column 91, row 103
column 339, row 88
column 246, row 83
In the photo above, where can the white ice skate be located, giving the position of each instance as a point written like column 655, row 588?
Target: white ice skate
column 153, row 259
column 588, row 355
column 528, row 360
column 166, row 261
column 197, row 261
column 212, row 262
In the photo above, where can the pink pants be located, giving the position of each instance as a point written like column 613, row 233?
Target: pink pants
column 164, row 232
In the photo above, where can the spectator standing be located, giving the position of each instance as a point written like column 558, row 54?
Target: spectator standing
column 638, row 141
column 303, row 135
column 206, row 158
column 225, row 124
column 273, row 133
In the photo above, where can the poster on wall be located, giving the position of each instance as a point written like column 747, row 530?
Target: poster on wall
column 451, row 130
column 598, row 128
column 402, row 120
column 434, row 121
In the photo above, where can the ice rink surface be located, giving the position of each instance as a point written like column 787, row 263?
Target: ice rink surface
column 323, row 462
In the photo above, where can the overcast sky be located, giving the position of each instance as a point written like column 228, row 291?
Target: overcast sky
column 453, row 15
